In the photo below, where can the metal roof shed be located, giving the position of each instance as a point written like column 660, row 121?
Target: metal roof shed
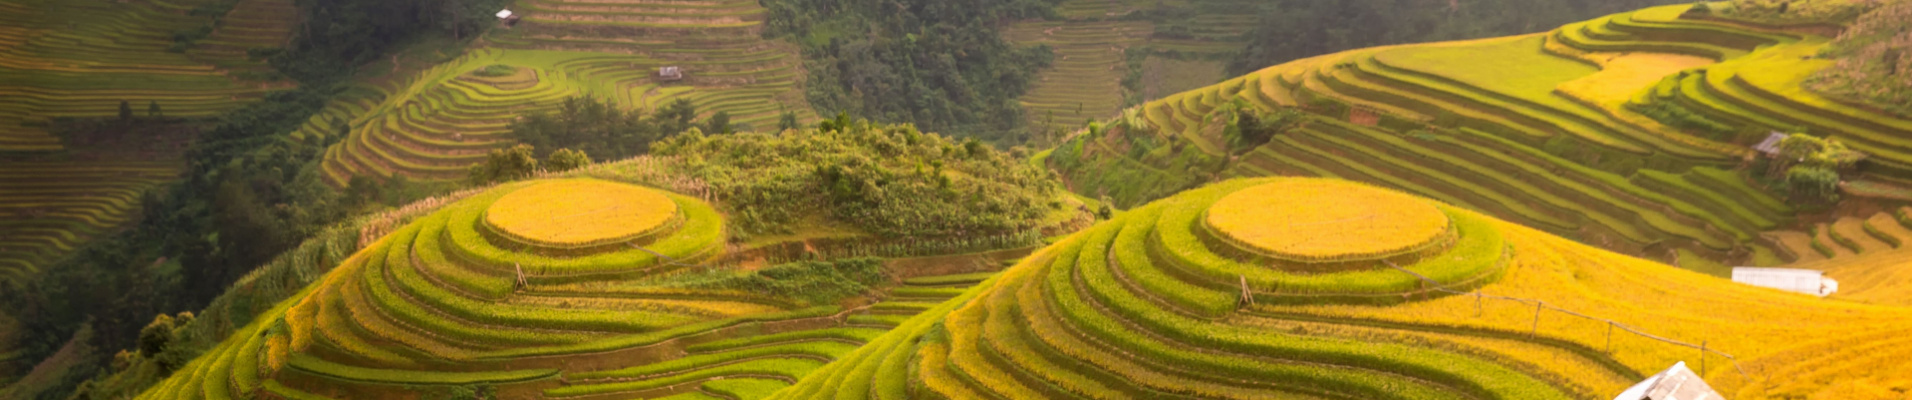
column 1675, row 383
column 1770, row 146
column 1793, row 280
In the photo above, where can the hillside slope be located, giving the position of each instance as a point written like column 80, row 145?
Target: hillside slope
column 435, row 124
column 1546, row 130
column 82, row 58
column 1184, row 298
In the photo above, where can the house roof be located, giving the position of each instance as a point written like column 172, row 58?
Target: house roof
column 505, row 14
column 1676, row 383
column 1770, row 146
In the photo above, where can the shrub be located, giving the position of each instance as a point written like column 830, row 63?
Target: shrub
column 503, row 165
column 1813, row 184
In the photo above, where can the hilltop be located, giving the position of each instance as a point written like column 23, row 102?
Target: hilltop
column 1186, row 297
column 612, row 265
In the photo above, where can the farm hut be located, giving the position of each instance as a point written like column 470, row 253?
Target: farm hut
column 507, row 18
column 1792, row 280
column 670, row 73
column 1770, row 146
column 1677, row 382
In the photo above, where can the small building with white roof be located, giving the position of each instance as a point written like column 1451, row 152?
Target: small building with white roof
column 1788, row 279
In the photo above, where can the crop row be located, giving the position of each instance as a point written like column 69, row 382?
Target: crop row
column 80, row 59
column 50, row 207
column 1087, row 317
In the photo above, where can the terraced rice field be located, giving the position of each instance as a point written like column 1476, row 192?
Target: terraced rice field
column 80, row 58
column 437, row 123
column 252, row 24
column 51, row 207
column 1148, row 305
column 1091, row 49
column 1536, row 129
column 1844, row 238
column 453, row 300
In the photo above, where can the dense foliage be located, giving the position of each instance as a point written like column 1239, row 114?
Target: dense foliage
column 1294, row 29
column 941, row 65
column 1874, row 61
column 890, row 180
column 607, row 132
column 1130, row 162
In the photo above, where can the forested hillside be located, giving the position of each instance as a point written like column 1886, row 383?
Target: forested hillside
column 942, row 65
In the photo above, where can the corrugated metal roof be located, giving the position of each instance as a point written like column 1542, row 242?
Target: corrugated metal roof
column 504, row 14
column 1770, row 146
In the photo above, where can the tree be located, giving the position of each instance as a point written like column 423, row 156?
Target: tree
column 566, row 160
column 1813, row 184
column 125, row 111
column 718, row 123
column 152, row 109
column 788, row 121
column 503, row 165
column 1799, row 146
column 156, row 335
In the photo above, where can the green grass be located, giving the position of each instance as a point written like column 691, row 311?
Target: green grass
column 372, row 375
column 1513, row 67
column 946, row 280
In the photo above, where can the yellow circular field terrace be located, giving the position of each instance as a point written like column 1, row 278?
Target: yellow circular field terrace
column 579, row 213
column 1317, row 220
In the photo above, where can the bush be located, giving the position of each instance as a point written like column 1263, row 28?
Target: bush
column 156, row 335
column 566, row 160
column 496, row 70
column 890, row 180
column 503, row 165
column 1813, row 184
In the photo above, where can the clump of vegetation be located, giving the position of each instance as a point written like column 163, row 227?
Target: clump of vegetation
column 495, row 70
column 1131, row 161
column 519, row 162
column 1249, row 127
column 1874, row 64
column 890, row 180
column 601, row 128
column 1813, row 167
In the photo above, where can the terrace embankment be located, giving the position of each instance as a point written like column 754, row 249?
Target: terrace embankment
column 438, row 122
column 1146, row 306
column 565, row 288
column 1549, row 130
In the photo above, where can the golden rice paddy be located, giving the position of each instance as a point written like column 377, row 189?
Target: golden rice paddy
column 579, row 213
column 1625, row 74
column 1326, row 220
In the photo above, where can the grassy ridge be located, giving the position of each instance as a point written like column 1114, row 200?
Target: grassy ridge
column 444, row 302
column 1095, row 317
column 1560, row 148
